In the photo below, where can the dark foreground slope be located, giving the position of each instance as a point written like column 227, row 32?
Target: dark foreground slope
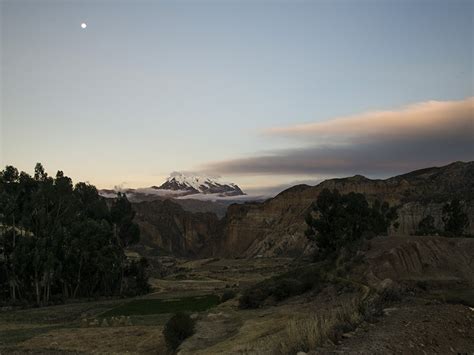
column 408, row 285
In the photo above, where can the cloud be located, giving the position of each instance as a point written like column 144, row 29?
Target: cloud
column 430, row 118
column 379, row 142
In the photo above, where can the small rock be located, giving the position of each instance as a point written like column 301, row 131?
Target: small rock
column 214, row 315
column 386, row 284
column 387, row 311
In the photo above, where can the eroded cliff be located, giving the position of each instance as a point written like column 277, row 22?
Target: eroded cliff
column 276, row 227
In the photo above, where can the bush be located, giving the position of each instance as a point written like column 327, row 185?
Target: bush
column 427, row 226
column 373, row 306
column 454, row 218
column 286, row 288
column 227, row 295
column 281, row 287
column 177, row 329
column 136, row 278
column 255, row 296
column 390, row 295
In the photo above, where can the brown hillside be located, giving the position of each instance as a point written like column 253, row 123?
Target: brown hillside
column 276, row 226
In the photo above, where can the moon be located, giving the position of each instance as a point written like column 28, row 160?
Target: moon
column 83, row 25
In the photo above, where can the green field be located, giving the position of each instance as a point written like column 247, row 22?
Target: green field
column 157, row 306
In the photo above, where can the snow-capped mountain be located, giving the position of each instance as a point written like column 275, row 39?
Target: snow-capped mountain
column 192, row 183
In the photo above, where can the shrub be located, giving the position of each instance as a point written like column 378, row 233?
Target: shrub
column 373, row 306
column 177, row 329
column 427, row 226
column 455, row 220
column 227, row 295
column 421, row 284
column 136, row 278
column 390, row 295
column 255, row 296
column 281, row 287
column 285, row 288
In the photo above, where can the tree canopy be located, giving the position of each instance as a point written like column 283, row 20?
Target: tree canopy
column 59, row 240
column 337, row 220
column 455, row 219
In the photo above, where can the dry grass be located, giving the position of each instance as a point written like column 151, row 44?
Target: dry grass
column 134, row 339
column 305, row 334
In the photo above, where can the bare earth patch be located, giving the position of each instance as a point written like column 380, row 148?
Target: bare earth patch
column 415, row 328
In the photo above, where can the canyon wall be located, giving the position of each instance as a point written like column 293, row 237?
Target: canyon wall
column 276, row 227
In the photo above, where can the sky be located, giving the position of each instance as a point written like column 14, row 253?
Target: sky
column 263, row 93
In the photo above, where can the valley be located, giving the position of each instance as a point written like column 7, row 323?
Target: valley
column 423, row 273
column 254, row 282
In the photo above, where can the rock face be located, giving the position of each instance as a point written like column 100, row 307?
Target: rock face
column 167, row 226
column 276, row 227
column 437, row 260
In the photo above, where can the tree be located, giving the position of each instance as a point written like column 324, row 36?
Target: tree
column 125, row 230
column 57, row 240
column 454, row 218
column 336, row 221
column 136, row 277
column 427, row 226
column 10, row 215
column 122, row 216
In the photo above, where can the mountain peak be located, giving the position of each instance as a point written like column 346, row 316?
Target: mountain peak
column 194, row 183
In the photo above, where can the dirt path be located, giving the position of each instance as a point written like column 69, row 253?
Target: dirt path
column 415, row 328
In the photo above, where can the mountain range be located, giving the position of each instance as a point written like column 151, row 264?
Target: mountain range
column 193, row 192
column 191, row 184
column 184, row 185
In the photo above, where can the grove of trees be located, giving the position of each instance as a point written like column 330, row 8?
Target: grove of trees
column 60, row 241
column 337, row 221
column 455, row 222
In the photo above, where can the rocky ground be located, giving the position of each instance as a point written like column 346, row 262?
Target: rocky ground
column 414, row 326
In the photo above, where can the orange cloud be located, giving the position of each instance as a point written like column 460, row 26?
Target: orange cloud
column 426, row 118
column 377, row 143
